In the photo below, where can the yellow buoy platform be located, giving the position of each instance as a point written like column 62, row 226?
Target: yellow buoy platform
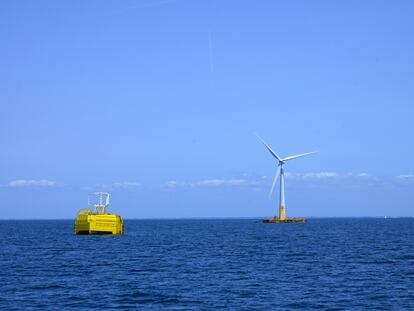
column 283, row 219
column 277, row 220
column 97, row 221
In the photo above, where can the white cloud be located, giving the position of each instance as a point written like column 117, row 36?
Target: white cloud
column 31, row 183
column 406, row 178
column 349, row 179
column 318, row 176
column 308, row 178
column 219, row 182
column 117, row 185
column 171, row 184
column 329, row 177
column 126, row 184
column 235, row 182
column 324, row 178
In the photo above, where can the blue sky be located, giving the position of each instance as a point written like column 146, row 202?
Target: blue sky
column 157, row 102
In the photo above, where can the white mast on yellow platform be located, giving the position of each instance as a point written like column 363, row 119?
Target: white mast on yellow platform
column 100, row 207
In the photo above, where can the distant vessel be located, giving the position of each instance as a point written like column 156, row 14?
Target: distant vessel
column 281, row 172
column 96, row 220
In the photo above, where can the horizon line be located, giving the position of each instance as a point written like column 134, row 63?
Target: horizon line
column 214, row 217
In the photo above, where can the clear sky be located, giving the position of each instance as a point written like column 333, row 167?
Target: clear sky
column 156, row 101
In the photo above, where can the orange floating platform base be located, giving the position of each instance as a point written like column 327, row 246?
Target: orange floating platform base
column 277, row 220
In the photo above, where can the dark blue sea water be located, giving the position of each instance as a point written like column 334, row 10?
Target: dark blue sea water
column 326, row 264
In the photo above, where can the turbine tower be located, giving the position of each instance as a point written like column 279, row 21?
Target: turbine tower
column 280, row 171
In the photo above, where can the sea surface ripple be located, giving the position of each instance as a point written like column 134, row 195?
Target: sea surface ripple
column 232, row 264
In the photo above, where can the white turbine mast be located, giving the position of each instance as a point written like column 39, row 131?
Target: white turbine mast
column 281, row 172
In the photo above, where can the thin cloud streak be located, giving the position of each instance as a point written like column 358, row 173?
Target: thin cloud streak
column 219, row 182
column 25, row 183
column 210, row 57
column 114, row 186
column 324, row 178
column 173, row 184
column 312, row 179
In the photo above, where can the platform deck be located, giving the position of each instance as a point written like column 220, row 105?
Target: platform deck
column 276, row 220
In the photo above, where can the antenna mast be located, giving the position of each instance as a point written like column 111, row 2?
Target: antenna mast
column 100, row 208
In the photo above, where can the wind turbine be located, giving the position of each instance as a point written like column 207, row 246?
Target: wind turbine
column 280, row 171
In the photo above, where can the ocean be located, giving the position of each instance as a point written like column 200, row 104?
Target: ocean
column 209, row 264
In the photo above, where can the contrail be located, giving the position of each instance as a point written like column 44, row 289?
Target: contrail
column 210, row 57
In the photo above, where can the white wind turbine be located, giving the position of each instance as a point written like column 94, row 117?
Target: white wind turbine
column 280, row 171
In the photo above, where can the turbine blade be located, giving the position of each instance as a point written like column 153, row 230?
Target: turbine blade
column 270, row 149
column 297, row 156
column 274, row 180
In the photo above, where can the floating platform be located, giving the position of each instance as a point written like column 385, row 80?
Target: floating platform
column 88, row 223
column 277, row 220
column 97, row 220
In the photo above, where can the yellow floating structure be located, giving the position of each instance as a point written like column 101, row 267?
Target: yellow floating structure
column 97, row 221
column 282, row 218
